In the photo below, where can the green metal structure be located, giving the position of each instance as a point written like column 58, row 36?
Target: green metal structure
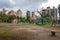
column 43, row 20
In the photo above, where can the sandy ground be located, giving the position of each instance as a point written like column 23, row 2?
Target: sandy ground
column 31, row 33
column 37, row 33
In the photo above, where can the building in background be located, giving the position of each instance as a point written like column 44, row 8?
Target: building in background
column 28, row 14
column 59, row 10
column 50, row 12
column 3, row 10
column 43, row 12
column 46, row 11
column 33, row 15
column 19, row 13
column 54, row 13
column 11, row 13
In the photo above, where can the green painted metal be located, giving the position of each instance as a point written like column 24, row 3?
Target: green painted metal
column 41, row 21
column 51, row 20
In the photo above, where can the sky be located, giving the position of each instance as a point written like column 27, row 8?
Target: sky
column 31, row 5
column 28, row 4
column 51, row 3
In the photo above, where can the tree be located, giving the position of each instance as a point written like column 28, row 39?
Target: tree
column 3, row 17
column 0, row 16
column 11, row 17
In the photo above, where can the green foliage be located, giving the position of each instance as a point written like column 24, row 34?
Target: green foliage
column 5, row 18
column 10, row 18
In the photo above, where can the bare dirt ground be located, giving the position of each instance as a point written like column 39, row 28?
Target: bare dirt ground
column 31, row 33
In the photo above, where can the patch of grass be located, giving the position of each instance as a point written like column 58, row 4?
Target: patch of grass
column 5, row 31
column 45, row 26
column 52, row 27
column 26, row 24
